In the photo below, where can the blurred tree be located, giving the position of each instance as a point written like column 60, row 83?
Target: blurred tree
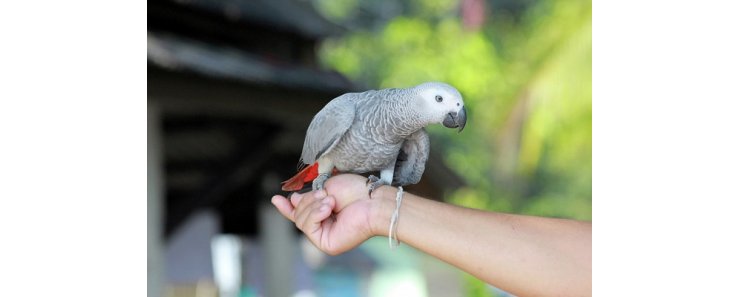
column 525, row 75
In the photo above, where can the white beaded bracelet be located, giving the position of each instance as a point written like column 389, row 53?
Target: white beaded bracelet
column 393, row 241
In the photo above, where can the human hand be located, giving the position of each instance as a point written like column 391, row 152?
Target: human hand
column 335, row 219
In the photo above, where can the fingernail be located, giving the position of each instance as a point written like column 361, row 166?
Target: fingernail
column 320, row 194
column 324, row 207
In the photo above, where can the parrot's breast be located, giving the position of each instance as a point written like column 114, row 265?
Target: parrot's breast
column 359, row 152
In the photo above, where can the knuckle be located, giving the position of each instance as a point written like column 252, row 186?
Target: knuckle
column 332, row 251
column 301, row 226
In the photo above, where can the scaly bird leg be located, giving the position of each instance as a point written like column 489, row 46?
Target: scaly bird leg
column 386, row 177
column 325, row 168
column 318, row 183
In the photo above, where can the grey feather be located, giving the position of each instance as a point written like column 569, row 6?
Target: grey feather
column 412, row 159
column 327, row 128
column 382, row 122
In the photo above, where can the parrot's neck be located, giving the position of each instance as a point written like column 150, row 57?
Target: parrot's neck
column 404, row 119
column 397, row 115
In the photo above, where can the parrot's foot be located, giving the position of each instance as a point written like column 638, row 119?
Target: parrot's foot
column 318, row 183
column 373, row 183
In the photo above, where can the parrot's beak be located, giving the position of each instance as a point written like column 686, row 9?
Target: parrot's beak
column 456, row 119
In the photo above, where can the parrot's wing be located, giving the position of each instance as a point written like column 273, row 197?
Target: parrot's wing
column 327, row 128
column 412, row 159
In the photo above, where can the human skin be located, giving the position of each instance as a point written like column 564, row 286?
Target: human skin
column 524, row 255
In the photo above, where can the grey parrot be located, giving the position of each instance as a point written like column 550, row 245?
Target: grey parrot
column 377, row 130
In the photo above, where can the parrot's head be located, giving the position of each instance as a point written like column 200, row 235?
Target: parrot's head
column 442, row 103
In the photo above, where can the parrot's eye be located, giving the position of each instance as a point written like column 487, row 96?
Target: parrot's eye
column 438, row 98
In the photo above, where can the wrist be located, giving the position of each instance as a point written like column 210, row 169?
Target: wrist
column 383, row 203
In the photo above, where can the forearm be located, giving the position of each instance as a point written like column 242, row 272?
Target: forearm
column 521, row 254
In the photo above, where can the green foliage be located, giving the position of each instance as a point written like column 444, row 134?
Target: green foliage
column 337, row 9
column 526, row 80
column 476, row 288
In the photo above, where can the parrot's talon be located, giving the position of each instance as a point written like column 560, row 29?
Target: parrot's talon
column 373, row 183
column 372, row 179
column 318, row 183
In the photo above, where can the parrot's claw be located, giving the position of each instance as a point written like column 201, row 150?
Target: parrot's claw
column 318, row 183
column 373, row 183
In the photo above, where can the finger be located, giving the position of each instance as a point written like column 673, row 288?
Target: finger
column 308, row 198
column 306, row 204
column 303, row 210
column 320, row 211
column 295, row 198
column 310, row 218
column 284, row 207
column 331, row 201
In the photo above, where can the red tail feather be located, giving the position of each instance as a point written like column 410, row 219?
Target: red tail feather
column 296, row 182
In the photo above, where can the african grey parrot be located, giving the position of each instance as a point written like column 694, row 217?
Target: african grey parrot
column 377, row 130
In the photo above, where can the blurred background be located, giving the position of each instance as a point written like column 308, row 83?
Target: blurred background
column 232, row 86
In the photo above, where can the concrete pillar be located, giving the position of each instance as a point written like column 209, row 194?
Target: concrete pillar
column 278, row 244
column 154, row 201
